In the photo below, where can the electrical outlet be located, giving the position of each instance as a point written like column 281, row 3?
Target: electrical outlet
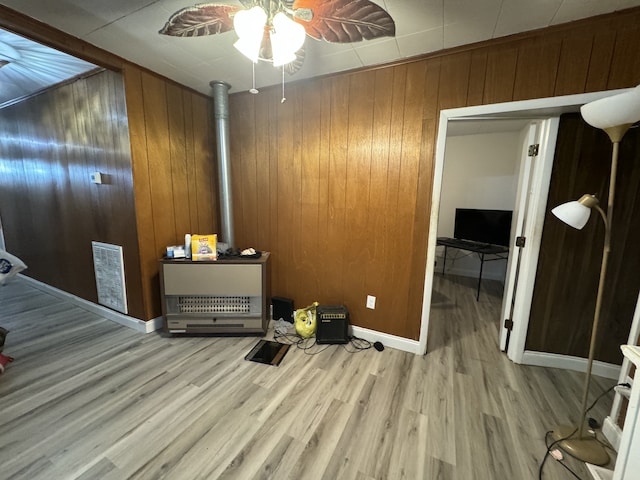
column 371, row 302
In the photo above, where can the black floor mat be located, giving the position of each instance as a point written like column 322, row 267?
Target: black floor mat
column 268, row 352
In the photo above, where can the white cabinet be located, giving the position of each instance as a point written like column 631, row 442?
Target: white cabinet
column 628, row 461
column 228, row 296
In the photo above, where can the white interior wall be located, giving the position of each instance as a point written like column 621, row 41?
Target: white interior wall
column 480, row 171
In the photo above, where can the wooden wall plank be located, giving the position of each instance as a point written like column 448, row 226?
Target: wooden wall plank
column 286, row 196
column 159, row 157
column 190, row 162
column 573, row 63
column 601, row 57
column 395, row 240
column 141, row 186
column 454, row 80
column 625, row 66
column 205, row 167
column 380, row 235
column 537, row 67
column 338, row 158
column 313, row 185
column 410, row 169
column 264, row 192
column 501, row 73
column 178, row 161
column 477, row 75
column 324, row 265
column 357, row 193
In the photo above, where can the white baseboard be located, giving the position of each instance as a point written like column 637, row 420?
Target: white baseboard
column 120, row 318
column 612, row 432
column 567, row 362
column 392, row 341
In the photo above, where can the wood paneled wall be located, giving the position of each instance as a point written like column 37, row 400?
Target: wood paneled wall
column 336, row 182
column 50, row 144
column 169, row 176
column 174, row 174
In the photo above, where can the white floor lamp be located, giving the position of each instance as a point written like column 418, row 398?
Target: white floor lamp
column 615, row 115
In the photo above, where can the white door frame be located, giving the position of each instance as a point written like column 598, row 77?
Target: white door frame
column 544, row 108
column 518, row 227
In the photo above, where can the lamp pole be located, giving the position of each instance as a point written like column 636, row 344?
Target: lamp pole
column 603, row 273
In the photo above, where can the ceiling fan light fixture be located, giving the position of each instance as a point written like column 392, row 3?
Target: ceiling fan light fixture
column 249, row 26
column 287, row 37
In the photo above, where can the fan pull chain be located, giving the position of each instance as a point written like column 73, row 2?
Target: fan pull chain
column 283, row 97
column 253, row 90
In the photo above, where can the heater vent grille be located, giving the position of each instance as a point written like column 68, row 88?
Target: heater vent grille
column 209, row 304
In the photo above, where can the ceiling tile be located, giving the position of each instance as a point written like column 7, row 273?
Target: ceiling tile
column 522, row 15
column 411, row 16
column 421, row 42
column 77, row 17
column 469, row 11
column 469, row 21
column 574, row 9
column 377, row 51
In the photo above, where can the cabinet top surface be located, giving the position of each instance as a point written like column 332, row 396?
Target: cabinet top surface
column 232, row 260
column 632, row 352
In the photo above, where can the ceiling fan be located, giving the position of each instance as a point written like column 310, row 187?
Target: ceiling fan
column 274, row 30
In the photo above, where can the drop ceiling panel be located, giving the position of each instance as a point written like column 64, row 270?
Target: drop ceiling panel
column 421, row 42
column 522, row 15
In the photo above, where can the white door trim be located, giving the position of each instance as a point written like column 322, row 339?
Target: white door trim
column 519, row 222
column 543, row 108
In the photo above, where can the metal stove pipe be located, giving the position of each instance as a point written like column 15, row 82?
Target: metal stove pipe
column 221, row 116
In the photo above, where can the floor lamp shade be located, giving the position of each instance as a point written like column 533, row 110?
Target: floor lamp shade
column 573, row 214
column 622, row 109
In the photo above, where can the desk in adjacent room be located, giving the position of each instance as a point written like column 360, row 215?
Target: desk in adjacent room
column 497, row 252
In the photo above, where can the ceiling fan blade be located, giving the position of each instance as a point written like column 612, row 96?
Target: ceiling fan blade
column 343, row 21
column 200, row 20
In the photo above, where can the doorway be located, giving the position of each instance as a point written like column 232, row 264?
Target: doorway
column 546, row 112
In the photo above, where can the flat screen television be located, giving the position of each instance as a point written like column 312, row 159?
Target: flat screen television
column 485, row 226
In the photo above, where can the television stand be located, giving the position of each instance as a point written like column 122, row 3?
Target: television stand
column 497, row 252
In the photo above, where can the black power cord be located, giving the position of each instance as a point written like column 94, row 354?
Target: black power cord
column 355, row 345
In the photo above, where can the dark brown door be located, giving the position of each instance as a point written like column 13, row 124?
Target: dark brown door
column 569, row 263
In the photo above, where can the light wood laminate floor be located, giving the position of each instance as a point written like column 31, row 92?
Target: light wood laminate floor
column 87, row 398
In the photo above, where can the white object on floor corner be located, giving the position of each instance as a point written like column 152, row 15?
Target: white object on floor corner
column 599, row 473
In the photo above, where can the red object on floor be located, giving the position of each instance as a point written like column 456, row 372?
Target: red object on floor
column 4, row 359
